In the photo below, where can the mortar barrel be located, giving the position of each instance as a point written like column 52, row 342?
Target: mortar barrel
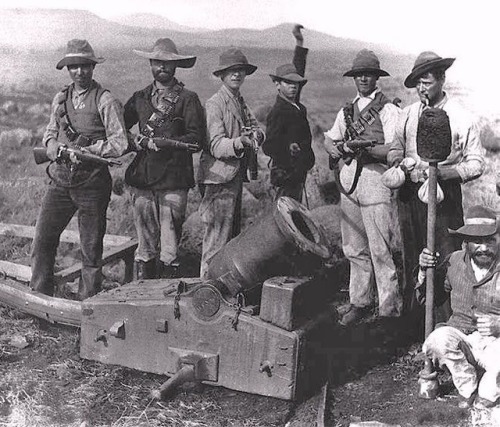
column 247, row 260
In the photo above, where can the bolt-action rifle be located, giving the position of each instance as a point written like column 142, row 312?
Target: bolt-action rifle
column 64, row 153
column 355, row 145
column 257, row 139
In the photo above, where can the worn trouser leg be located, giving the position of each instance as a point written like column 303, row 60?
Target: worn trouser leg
column 92, row 204
column 378, row 220
column 486, row 351
column 172, row 212
column 444, row 347
column 55, row 214
column 146, row 220
column 220, row 212
column 356, row 250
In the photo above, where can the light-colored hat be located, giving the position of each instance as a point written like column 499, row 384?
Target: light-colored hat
column 233, row 58
column 424, row 63
column 479, row 222
column 165, row 50
column 78, row 52
column 365, row 62
column 289, row 73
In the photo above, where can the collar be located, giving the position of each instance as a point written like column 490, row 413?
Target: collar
column 84, row 91
column 440, row 104
column 295, row 104
column 229, row 93
column 157, row 87
column 371, row 96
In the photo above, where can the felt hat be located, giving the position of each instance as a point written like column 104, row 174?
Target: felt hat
column 233, row 58
column 78, row 52
column 165, row 50
column 479, row 222
column 424, row 63
column 288, row 72
column 365, row 62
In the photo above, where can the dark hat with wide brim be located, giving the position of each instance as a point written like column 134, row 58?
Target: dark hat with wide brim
column 366, row 62
column 233, row 58
column 78, row 52
column 479, row 222
column 288, row 73
column 424, row 63
column 165, row 50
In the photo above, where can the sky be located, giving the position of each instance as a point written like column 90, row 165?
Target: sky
column 467, row 30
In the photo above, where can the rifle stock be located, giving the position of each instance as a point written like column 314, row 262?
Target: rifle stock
column 63, row 153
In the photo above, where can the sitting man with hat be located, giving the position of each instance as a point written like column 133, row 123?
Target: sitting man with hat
column 367, row 208
column 170, row 120
column 288, row 141
column 84, row 116
column 469, row 342
column 233, row 135
column 464, row 163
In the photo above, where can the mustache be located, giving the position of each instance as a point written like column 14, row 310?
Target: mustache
column 484, row 253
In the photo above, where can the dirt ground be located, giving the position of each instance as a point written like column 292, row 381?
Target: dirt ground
column 372, row 376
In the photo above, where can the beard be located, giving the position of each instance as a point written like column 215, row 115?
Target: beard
column 484, row 259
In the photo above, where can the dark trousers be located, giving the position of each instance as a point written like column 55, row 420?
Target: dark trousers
column 59, row 204
column 293, row 190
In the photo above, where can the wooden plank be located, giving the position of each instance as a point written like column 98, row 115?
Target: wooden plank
column 112, row 254
column 56, row 310
column 23, row 272
column 16, row 271
column 67, row 236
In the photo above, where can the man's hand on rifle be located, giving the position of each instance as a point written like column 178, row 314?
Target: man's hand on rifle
column 53, row 149
column 143, row 143
column 427, row 259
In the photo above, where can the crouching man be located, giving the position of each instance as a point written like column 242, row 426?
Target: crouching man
column 469, row 342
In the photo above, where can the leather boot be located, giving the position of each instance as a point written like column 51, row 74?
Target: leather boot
column 145, row 269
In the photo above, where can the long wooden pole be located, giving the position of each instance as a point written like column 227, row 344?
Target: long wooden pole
column 428, row 377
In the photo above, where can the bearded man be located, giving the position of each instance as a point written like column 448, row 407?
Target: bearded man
column 469, row 341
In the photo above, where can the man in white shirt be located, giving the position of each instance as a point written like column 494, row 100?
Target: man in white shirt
column 367, row 208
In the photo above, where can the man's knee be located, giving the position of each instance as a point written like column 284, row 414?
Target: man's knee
column 441, row 340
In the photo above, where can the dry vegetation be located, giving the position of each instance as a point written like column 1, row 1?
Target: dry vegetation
column 43, row 382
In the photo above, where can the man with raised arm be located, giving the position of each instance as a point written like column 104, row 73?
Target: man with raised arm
column 288, row 141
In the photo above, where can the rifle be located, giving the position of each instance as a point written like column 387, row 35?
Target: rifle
column 173, row 143
column 355, row 145
column 257, row 139
column 63, row 153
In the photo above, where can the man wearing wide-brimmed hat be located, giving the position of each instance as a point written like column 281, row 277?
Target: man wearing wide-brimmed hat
column 161, row 175
column 288, row 135
column 84, row 116
column 233, row 135
column 470, row 340
column 367, row 208
column 463, row 164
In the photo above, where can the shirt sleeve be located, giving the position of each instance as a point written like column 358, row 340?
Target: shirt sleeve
column 389, row 116
column 336, row 132
column 398, row 141
column 472, row 164
column 220, row 146
column 116, row 143
column 52, row 129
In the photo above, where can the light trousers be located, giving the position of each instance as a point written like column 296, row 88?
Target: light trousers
column 158, row 218
column 462, row 354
